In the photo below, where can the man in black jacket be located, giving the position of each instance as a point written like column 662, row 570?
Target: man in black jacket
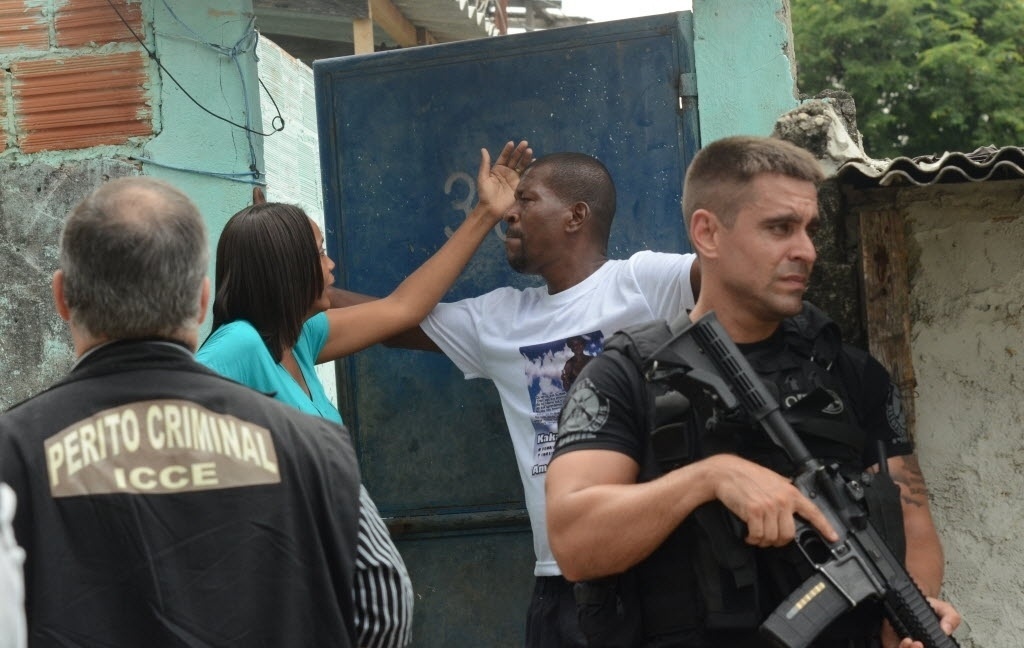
column 160, row 504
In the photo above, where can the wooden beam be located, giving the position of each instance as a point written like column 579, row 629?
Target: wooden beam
column 887, row 300
column 391, row 19
column 362, row 35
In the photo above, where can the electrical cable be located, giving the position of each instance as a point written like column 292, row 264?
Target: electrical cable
column 246, row 43
column 234, row 177
column 152, row 54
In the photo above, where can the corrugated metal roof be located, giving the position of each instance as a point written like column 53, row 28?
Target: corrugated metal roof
column 981, row 165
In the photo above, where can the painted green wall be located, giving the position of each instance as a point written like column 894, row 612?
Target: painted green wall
column 745, row 65
column 189, row 137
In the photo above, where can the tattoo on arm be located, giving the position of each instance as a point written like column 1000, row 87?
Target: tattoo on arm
column 908, row 475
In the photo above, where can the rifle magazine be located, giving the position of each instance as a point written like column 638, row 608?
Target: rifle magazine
column 807, row 611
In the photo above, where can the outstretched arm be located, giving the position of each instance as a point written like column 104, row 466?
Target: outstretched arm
column 364, row 324
column 411, row 338
column 341, row 298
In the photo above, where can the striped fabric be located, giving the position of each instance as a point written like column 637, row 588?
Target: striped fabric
column 382, row 589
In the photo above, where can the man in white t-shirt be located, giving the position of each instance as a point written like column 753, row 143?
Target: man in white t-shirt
column 558, row 227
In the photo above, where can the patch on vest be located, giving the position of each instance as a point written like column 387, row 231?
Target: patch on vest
column 835, row 408
column 823, row 399
column 585, row 412
column 895, row 415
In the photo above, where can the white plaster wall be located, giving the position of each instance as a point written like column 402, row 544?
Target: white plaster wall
column 292, row 156
column 967, row 311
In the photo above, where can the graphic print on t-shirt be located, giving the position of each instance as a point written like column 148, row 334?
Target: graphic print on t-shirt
column 550, row 369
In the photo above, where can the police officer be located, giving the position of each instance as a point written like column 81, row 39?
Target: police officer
column 615, row 507
column 160, row 504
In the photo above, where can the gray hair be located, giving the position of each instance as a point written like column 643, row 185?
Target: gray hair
column 134, row 256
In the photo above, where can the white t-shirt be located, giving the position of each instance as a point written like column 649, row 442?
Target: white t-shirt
column 520, row 340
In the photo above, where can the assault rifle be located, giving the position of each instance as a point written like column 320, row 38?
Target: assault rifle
column 858, row 566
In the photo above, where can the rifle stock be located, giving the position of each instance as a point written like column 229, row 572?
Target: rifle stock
column 858, row 566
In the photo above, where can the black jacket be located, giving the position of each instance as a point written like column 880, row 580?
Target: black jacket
column 160, row 504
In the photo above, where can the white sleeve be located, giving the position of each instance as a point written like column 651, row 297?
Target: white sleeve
column 664, row 280
column 12, row 557
column 455, row 329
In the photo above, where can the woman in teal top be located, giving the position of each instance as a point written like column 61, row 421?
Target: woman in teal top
column 272, row 320
column 236, row 350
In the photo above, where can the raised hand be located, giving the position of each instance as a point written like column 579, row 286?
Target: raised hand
column 496, row 185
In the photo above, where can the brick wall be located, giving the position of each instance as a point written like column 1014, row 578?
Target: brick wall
column 73, row 75
column 81, row 104
column 73, row 78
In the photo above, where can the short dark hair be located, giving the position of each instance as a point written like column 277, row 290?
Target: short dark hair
column 578, row 177
column 133, row 254
column 268, row 273
column 721, row 172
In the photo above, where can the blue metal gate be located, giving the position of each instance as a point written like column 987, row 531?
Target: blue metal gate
column 400, row 133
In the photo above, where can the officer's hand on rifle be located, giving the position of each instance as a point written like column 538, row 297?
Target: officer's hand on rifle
column 764, row 500
column 949, row 620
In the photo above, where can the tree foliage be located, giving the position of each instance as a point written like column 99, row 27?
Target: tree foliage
column 927, row 75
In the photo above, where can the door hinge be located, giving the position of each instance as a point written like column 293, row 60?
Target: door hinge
column 687, row 85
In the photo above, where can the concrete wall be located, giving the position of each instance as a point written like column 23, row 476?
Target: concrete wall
column 964, row 248
column 966, row 283
column 967, row 313
column 84, row 103
column 35, row 346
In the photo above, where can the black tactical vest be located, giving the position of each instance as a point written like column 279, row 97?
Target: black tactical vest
column 704, row 586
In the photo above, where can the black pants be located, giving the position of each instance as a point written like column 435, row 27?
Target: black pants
column 751, row 640
column 551, row 621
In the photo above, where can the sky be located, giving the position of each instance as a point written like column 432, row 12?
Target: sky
column 600, row 10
